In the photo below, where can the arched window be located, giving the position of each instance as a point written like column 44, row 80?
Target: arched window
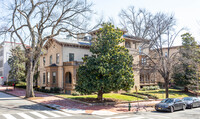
column 68, row 78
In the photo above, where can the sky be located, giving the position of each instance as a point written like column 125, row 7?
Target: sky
column 186, row 12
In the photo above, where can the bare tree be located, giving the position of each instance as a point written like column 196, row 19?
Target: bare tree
column 36, row 21
column 159, row 29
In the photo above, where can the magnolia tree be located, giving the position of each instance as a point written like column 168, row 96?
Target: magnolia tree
column 35, row 21
column 111, row 69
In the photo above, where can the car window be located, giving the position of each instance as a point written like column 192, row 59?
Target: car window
column 167, row 100
column 187, row 99
column 177, row 100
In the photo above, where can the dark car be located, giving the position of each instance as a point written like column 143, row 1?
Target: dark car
column 191, row 102
column 170, row 104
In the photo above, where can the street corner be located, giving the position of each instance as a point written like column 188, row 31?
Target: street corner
column 103, row 112
column 74, row 111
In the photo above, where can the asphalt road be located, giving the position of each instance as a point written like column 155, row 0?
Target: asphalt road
column 12, row 107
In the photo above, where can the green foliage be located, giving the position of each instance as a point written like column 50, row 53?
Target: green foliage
column 136, row 95
column 147, row 94
column 17, row 64
column 185, row 73
column 111, row 70
column 150, row 88
column 52, row 90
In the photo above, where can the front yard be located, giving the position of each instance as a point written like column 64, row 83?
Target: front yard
column 108, row 97
column 114, row 97
column 173, row 93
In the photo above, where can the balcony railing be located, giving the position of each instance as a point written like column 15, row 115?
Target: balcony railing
column 72, row 63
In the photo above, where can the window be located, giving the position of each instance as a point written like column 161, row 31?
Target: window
column 1, row 53
column 50, row 60
column 48, row 77
column 143, row 61
column 127, row 44
column 1, row 63
column 165, row 54
column 1, row 73
column 71, row 56
column 44, row 61
column 54, row 77
column 140, row 50
column 43, row 78
column 85, row 55
column 57, row 58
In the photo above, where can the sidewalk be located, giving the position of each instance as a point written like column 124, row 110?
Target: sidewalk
column 68, row 105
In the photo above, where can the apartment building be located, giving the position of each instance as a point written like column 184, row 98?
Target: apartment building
column 5, row 53
column 61, row 58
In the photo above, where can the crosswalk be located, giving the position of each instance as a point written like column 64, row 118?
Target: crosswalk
column 137, row 117
column 36, row 115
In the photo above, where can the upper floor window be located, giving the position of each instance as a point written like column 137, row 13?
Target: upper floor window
column 57, row 58
column 44, row 60
column 140, row 50
column 54, row 77
column 85, row 55
column 71, row 56
column 50, row 60
column 165, row 54
column 127, row 44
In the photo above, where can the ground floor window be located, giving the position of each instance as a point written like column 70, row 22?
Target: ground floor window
column 44, row 78
column 54, row 77
column 48, row 77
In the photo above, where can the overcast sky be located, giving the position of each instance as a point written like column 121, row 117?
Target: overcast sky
column 186, row 12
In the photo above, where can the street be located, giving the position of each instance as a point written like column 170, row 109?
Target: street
column 12, row 107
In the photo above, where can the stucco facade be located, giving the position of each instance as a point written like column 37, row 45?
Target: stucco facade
column 71, row 51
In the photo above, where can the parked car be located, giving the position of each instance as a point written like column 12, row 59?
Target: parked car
column 170, row 104
column 191, row 102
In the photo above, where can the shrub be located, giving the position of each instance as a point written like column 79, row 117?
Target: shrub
column 148, row 95
column 76, row 94
column 10, row 83
column 55, row 90
column 150, row 88
column 135, row 95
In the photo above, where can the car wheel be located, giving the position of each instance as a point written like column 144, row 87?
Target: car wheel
column 171, row 109
column 191, row 106
column 184, row 106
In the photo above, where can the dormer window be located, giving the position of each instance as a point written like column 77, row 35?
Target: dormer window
column 87, row 37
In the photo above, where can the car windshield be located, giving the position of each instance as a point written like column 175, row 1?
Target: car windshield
column 187, row 99
column 167, row 100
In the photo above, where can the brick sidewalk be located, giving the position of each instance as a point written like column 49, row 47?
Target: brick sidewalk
column 67, row 104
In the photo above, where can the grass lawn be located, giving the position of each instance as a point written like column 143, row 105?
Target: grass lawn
column 112, row 96
column 173, row 93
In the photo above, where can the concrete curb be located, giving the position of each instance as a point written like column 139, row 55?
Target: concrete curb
column 64, row 110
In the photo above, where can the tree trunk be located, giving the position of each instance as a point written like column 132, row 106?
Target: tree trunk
column 167, row 88
column 29, row 84
column 100, row 95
